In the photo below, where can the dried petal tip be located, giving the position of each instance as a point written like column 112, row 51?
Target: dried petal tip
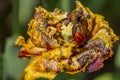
column 23, row 53
column 20, row 41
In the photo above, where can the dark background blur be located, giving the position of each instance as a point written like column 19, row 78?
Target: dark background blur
column 14, row 16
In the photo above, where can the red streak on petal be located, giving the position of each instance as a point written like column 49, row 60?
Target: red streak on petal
column 79, row 37
column 48, row 46
column 58, row 29
column 23, row 53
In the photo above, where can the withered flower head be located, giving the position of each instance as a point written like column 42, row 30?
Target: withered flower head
column 59, row 41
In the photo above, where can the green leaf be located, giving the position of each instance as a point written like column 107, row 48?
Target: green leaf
column 13, row 65
column 105, row 76
column 117, row 57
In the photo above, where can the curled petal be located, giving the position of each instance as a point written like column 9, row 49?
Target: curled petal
column 96, row 65
column 36, row 69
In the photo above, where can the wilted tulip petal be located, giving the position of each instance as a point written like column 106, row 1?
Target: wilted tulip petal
column 58, row 41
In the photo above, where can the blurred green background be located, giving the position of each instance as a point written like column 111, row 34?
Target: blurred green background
column 14, row 16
